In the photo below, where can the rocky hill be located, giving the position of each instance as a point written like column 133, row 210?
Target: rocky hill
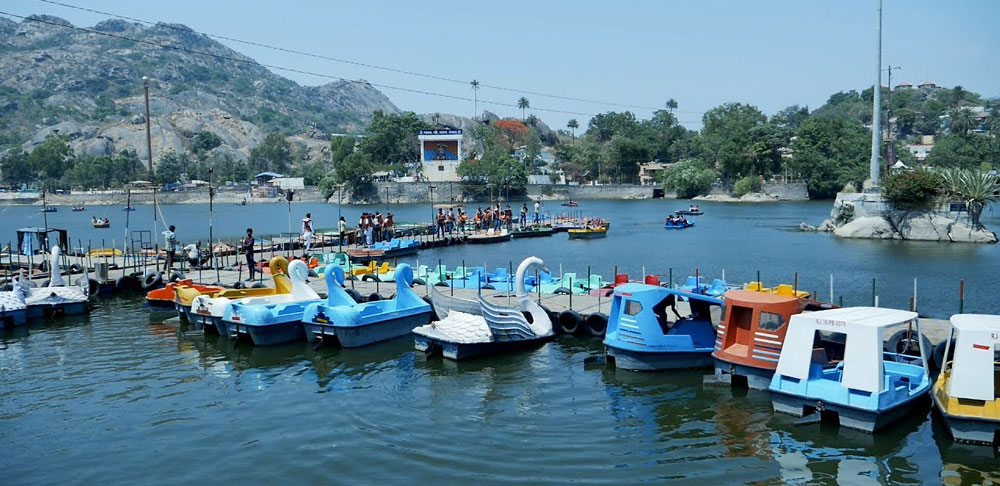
column 88, row 87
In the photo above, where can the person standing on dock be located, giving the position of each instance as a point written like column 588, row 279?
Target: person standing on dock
column 247, row 248
column 538, row 206
column 524, row 214
column 389, row 227
column 307, row 231
column 170, row 245
column 440, row 222
column 341, row 229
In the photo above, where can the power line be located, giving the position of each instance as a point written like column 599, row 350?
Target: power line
column 361, row 64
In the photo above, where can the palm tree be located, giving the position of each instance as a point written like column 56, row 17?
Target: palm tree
column 671, row 105
column 958, row 93
column 573, row 125
column 962, row 120
column 532, row 120
column 972, row 187
column 475, row 93
column 523, row 104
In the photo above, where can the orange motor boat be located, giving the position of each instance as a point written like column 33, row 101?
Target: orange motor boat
column 164, row 298
column 749, row 340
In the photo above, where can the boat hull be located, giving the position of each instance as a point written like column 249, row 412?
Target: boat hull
column 202, row 321
column 357, row 336
column 850, row 417
column 969, row 429
column 460, row 351
column 12, row 318
column 647, row 361
column 266, row 334
column 756, row 378
column 46, row 310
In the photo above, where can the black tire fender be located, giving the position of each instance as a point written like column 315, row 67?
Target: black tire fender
column 569, row 322
column 597, row 324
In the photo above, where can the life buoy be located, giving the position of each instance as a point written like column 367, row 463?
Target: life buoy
column 374, row 297
column 151, row 280
column 176, row 276
column 562, row 291
column 569, row 322
column 355, row 295
column 369, row 278
column 93, row 286
column 597, row 324
column 257, row 285
column 937, row 356
column 905, row 342
column 75, row 268
column 419, row 281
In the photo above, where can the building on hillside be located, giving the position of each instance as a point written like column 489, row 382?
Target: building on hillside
column 440, row 154
column 904, row 85
column 649, row 172
column 927, row 84
column 919, row 151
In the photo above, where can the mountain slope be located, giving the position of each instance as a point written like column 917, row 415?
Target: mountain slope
column 88, row 86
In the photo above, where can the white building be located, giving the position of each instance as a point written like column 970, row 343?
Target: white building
column 440, row 154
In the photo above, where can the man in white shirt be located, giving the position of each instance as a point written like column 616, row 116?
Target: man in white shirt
column 537, row 208
column 170, row 245
column 307, row 231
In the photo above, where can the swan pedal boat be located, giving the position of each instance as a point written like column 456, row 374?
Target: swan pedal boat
column 271, row 319
column 351, row 324
column 57, row 297
column 204, row 311
column 967, row 391
column 13, row 310
column 496, row 329
column 642, row 337
column 865, row 388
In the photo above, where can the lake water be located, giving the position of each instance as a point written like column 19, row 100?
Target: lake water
column 119, row 397
column 740, row 239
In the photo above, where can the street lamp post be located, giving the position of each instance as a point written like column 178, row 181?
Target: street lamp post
column 149, row 153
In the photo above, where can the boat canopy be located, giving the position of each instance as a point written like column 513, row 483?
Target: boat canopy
column 975, row 345
column 863, row 349
column 30, row 239
column 628, row 289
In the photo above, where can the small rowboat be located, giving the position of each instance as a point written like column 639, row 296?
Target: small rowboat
column 588, row 233
column 49, row 209
column 128, row 208
column 78, row 208
column 689, row 212
column 571, row 204
column 532, row 231
column 101, row 223
column 678, row 225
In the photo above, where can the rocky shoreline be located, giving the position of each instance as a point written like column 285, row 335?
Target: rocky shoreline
column 868, row 216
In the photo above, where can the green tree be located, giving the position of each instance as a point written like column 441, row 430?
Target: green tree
column 688, row 178
column 671, row 105
column 475, row 93
column 572, row 124
column 975, row 188
column 496, row 170
column 170, row 167
column 340, row 148
column 203, row 142
column 963, row 120
column 532, row 120
column 355, row 171
column 726, row 138
column 273, row 154
column 791, row 117
column 16, row 169
column 523, row 104
column 392, row 139
column 51, row 159
column 830, row 152
column 917, row 188
column 532, row 147
column 964, row 151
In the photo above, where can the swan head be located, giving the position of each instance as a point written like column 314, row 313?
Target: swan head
column 527, row 264
column 298, row 271
column 334, row 276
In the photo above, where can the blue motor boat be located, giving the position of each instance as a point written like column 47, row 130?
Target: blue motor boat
column 858, row 384
column 647, row 332
column 678, row 224
column 352, row 325
column 271, row 319
column 397, row 247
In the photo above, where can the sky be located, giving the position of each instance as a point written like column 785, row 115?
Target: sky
column 771, row 54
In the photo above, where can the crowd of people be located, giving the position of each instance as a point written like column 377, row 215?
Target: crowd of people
column 493, row 217
column 372, row 228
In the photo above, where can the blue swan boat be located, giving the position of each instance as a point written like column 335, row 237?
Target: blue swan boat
column 862, row 387
column 355, row 325
column 642, row 335
column 272, row 319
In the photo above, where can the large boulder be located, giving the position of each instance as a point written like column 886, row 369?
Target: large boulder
column 868, row 227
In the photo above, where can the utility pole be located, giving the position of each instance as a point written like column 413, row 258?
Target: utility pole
column 339, row 217
column 890, row 149
column 874, row 169
column 149, row 152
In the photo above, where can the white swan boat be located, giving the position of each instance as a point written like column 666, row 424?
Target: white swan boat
column 463, row 335
column 13, row 310
column 56, row 297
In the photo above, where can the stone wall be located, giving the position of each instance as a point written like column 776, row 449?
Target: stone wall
column 419, row 192
column 793, row 191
